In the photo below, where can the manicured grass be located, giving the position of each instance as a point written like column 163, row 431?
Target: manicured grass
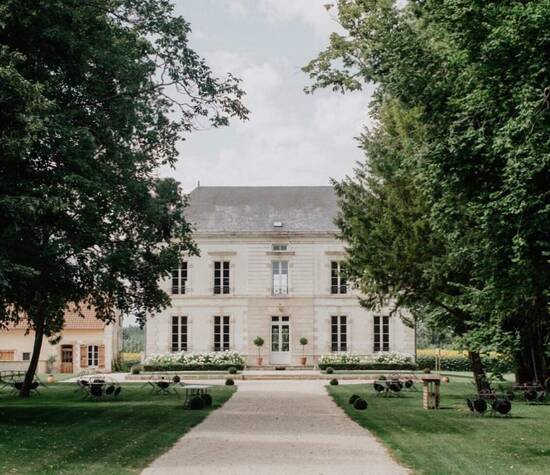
column 57, row 432
column 450, row 441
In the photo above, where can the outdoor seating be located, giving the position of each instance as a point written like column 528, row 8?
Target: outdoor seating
column 161, row 385
column 12, row 381
column 98, row 388
column 378, row 388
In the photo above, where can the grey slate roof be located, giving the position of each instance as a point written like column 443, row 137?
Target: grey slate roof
column 237, row 209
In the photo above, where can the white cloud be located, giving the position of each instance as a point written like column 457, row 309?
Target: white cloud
column 313, row 14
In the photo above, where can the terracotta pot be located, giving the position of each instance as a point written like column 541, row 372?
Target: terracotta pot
column 259, row 360
column 51, row 379
column 303, row 360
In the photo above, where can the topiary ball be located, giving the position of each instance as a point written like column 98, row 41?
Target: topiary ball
column 176, row 379
column 382, row 378
column 207, row 399
column 229, row 382
column 427, row 370
column 196, row 403
column 334, row 382
column 360, row 404
column 232, row 370
column 330, row 370
column 353, row 398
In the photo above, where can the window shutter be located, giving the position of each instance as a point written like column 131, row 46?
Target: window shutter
column 83, row 356
column 101, row 356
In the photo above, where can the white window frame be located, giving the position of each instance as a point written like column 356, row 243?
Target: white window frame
column 93, row 356
column 341, row 324
column 222, row 323
column 279, row 277
column 340, row 285
column 224, row 286
column 381, row 329
column 179, row 323
column 179, row 279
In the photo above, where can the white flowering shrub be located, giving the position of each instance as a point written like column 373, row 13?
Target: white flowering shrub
column 338, row 358
column 214, row 358
column 390, row 358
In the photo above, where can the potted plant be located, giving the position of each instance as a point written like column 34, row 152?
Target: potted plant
column 303, row 358
column 259, row 342
column 49, row 368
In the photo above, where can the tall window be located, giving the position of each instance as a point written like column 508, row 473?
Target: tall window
column 179, row 333
column 381, row 333
column 339, row 333
column 338, row 281
column 93, row 355
column 179, row 279
column 221, row 333
column 221, row 277
column 280, row 277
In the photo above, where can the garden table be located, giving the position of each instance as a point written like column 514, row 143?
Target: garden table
column 192, row 390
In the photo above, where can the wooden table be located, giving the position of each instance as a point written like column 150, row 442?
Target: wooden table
column 192, row 390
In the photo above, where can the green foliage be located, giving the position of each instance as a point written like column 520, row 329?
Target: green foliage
column 329, row 370
column 232, row 370
column 462, row 363
column 456, row 180
column 360, row 404
column 353, row 398
column 369, row 366
column 334, row 382
column 133, row 339
column 229, row 382
column 303, row 341
column 94, row 98
column 136, row 369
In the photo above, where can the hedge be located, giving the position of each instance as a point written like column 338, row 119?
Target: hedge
column 369, row 366
column 462, row 363
column 182, row 367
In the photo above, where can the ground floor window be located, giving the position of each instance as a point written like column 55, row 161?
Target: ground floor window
column 179, row 333
column 221, row 332
column 339, row 333
column 93, row 355
column 7, row 355
column 26, row 356
column 381, row 333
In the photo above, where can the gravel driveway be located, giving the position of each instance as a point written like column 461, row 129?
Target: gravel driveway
column 277, row 427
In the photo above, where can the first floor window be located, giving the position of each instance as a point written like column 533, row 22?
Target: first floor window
column 179, row 279
column 221, row 277
column 339, row 333
column 280, row 277
column 338, row 281
column 179, row 333
column 93, row 355
column 381, row 333
column 221, row 333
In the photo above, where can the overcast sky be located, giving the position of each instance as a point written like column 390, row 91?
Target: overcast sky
column 290, row 138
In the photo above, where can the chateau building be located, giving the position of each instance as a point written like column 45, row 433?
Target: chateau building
column 270, row 266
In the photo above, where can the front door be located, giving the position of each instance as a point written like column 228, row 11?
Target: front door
column 66, row 358
column 280, row 340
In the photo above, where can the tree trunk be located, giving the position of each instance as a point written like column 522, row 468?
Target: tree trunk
column 33, row 364
column 479, row 371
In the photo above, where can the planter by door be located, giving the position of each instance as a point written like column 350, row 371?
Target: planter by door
column 280, row 340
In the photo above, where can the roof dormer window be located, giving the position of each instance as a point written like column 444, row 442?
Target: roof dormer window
column 279, row 247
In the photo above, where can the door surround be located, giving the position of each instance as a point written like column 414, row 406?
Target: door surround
column 280, row 332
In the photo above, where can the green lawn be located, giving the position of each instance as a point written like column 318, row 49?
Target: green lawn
column 450, row 441
column 59, row 433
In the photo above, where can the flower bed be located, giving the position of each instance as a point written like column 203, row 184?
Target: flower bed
column 182, row 361
column 379, row 361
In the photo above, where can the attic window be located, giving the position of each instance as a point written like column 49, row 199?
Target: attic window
column 279, row 247
column 277, row 224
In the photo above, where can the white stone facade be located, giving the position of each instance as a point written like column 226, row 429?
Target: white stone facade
column 251, row 304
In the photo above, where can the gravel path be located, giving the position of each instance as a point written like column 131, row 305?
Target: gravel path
column 277, row 427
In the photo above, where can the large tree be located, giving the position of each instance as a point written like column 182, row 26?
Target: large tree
column 477, row 73
column 93, row 99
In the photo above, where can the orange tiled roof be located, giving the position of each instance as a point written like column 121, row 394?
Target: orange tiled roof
column 73, row 321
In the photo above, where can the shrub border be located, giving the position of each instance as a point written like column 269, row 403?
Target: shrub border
column 183, row 367
column 368, row 366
